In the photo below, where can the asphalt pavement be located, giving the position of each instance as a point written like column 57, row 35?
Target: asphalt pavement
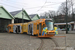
column 11, row 41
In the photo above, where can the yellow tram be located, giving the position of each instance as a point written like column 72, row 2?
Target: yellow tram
column 41, row 28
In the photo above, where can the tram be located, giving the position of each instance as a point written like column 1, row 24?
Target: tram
column 40, row 27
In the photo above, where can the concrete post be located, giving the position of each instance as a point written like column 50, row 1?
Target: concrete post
column 12, row 21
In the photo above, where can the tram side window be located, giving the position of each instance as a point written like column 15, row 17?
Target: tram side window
column 37, row 27
column 43, row 25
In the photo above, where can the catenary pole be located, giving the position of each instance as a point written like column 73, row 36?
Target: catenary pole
column 66, row 18
column 72, row 10
column 22, row 18
column 22, row 15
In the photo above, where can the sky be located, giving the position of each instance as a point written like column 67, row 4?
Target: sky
column 31, row 6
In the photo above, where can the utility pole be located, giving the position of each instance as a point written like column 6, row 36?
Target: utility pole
column 57, row 17
column 72, row 10
column 66, row 18
column 22, row 15
column 22, row 18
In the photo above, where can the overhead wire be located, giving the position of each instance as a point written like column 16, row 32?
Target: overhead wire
column 43, row 5
column 54, row 3
column 34, row 7
column 17, row 2
column 14, row 3
column 30, row 7
column 9, row 5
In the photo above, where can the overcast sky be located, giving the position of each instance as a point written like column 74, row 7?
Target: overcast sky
column 31, row 6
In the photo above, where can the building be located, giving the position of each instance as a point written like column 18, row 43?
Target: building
column 34, row 17
column 19, row 15
column 43, row 17
column 63, row 25
column 5, row 19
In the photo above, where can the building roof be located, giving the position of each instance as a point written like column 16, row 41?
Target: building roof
column 7, row 13
column 60, row 23
column 42, row 17
column 32, row 15
column 72, row 22
column 64, row 23
column 15, row 12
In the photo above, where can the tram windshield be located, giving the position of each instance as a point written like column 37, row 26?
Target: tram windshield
column 49, row 24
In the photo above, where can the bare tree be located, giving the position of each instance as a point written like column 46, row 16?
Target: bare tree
column 74, row 10
column 49, row 14
column 62, row 8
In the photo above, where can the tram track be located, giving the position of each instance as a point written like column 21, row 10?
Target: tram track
column 42, row 43
column 56, row 44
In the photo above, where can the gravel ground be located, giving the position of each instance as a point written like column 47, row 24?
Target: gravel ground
column 10, row 41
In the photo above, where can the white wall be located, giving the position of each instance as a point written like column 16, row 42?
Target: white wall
column 12, row 21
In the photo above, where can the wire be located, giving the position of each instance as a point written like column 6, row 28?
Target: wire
column 33, row 7
column 30, row 7
column 17, row 2
column 43, row 5
column 14, row 3
column 47, row 5
column 40, row 6
column 54, row 2
column 9, row 5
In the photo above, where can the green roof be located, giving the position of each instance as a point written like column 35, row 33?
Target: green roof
column 18, row 14
column 34, row 16
column 5, row 14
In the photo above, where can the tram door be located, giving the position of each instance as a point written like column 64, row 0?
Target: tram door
column 30, row 29
column 18, row 29
column 14, row 28
column 40, row 29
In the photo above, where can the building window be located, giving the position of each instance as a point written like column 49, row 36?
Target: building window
column 43, row 25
